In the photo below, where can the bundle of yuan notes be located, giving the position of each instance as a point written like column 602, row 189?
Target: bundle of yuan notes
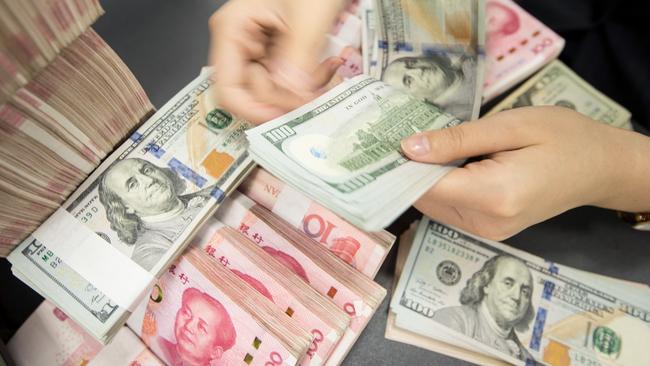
column 57, row 127
column 491, row 304
column 32, row 33
column 364, row 251
column 49, row 337
column 252, row 289
column 146, row 200
column 350, row 290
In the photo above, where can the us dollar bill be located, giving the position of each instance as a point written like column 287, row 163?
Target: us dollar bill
column 434, row 50
column 343, row 150
column 503, row 302
column 558, row 85
column 145, row 201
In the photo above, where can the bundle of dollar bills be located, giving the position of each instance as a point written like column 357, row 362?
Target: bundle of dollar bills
column 342, row 150
column 98, row 254
column 492, row 304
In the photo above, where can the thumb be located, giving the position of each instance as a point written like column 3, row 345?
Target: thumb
column 499, row 132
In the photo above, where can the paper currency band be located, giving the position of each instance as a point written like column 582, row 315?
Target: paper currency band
column 639, row 220
column 100, row 263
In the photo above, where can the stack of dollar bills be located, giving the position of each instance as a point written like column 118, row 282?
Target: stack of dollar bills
column 98, row 254
column 491, row 304
column 343, row 150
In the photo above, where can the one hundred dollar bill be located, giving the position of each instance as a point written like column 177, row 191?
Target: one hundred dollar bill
column 558, row 85
column 343, row 150
column 434, row 50
column 145, row 201
column 511, row 305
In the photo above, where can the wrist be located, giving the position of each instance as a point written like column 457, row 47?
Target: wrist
column 626, row 186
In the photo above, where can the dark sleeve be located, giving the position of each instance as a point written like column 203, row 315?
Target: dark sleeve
column 605, row 45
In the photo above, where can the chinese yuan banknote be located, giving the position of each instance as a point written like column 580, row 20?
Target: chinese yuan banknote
column 349, row 289
column 313, row 311
column 200, row 313
column 516, row 46
column 49, row 337
column 364, row 251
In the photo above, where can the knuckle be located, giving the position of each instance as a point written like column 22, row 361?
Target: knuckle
column 505, row 203
column 445, row 144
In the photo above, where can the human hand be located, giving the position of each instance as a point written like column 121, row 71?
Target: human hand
column 537, row 162
column 265, row 53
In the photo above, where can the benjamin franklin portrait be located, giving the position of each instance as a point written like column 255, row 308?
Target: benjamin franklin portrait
column 495, row 302
column 444, row 79
column 146, row 208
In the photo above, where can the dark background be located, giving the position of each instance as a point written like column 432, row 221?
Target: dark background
column 165, row 43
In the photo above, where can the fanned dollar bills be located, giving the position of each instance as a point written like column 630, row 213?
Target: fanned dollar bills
column 435, row 50
column 501, row 302
column 145, row 201
column 342, row 150
column 557, row 85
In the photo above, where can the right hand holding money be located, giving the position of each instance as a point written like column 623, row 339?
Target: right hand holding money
column 536, row 163
column 267, row 52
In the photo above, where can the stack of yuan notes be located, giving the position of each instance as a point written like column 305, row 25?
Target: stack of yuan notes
column 99, row 253
column 66, row 100
column 364, row 251
column 352, row 292
column 200, row 313
column 33, row 33
column 49, row 337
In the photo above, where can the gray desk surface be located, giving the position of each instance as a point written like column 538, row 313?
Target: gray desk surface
column 165, row 43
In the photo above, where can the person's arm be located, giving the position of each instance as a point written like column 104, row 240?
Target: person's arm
column 265, row 54
column 537, row 162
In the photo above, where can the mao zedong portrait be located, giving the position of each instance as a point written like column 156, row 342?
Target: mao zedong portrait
column 203, row 330
column 496, row 301
column 145, row 207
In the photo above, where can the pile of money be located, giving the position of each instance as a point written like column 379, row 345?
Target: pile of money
column 32, row 33
column 49, row 337
column 58, row 127
column 364, row 251
column 145, row 200
column 492, row 304
column 342, row 150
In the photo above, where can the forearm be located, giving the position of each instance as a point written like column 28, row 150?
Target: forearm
column 628, row 185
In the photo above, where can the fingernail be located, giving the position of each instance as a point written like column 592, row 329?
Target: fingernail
column 416, row 145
